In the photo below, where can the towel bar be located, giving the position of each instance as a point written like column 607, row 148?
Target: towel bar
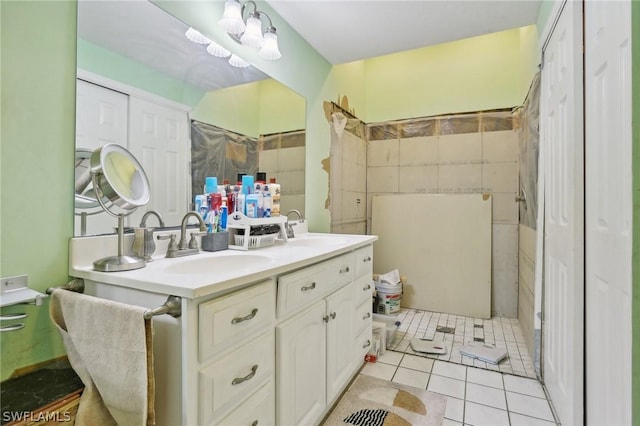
column 173, row 307
column 77, row 285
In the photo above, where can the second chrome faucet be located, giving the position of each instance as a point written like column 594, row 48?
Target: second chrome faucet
column 183, row 248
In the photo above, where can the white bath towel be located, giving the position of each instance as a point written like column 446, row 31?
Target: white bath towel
column 109, row 345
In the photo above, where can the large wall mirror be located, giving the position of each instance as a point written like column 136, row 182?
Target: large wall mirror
column 183, row 113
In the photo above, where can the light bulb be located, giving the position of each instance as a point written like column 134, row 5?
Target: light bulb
column 231, row 20
column 216, row 50
column 252, row 36
column 270, row 49
column 196, row 37
column 238, row 62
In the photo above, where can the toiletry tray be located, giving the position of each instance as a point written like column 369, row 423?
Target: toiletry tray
column 240, row 229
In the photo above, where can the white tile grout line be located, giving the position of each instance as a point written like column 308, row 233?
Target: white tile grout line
column 503, row 332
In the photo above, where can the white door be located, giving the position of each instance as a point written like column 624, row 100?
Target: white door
column 608, row 211
column 101, row 118
column 561, row 134
column 159, row 139
column 340, row 337
column 301, row 367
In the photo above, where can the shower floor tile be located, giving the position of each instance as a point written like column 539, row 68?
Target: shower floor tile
column 454, row 331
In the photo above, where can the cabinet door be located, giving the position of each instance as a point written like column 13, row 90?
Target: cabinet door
column 340, row 337
column 301, row 368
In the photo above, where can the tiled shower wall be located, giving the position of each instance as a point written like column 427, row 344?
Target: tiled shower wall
column 481, row 158
column 282, row 156
column 348, row 180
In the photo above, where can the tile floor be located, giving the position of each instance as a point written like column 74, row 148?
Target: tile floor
column 456, row 330
column 475, row 396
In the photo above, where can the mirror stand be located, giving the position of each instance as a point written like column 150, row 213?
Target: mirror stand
column 116, row 172
column 120, row 262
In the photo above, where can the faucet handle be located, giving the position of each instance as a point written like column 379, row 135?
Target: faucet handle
column 193, row 242
column 173, row 246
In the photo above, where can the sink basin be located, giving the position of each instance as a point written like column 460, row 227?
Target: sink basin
column 316, row 241
column 206, row 265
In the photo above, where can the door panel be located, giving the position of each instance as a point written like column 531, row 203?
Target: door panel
column 608, row 211
column 159, row 139
column 562, row 139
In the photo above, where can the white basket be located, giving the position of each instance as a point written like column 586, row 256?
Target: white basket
column 256, row 241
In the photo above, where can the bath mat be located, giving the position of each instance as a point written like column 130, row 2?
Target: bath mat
column 374, row 402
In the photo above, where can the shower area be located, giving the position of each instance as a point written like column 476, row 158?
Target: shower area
column 453, row 200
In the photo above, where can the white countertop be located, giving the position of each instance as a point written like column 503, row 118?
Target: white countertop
column 209, row 273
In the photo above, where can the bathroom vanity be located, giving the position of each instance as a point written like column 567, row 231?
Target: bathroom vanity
column 267, row 336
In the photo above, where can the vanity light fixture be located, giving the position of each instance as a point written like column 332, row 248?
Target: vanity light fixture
column 249, row 32
column 196, row 36
column 215, row 49
column 238, row 62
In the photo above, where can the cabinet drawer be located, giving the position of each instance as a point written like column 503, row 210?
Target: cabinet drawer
column 363, row 343
column 305, row 286
column 363, row 318
column 227, row 382
column 363, row 288
column 364, row 261
column 229, row 319
column 259, row 409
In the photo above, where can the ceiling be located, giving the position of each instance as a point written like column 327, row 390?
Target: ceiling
column 141, row 31
column 340, row 30
column 346, row 31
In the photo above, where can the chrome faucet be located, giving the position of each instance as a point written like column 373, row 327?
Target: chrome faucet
column 143, row 244
column 182, row 248
column 143, row 221
column 288, row 226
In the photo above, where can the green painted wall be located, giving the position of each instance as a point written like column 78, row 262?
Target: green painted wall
column 38, row 51
column 119, row 68
column 635, row 289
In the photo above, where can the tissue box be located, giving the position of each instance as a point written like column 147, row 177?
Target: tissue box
column 216, row 241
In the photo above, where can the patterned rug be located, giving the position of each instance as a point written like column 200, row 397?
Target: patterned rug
column 374, row 402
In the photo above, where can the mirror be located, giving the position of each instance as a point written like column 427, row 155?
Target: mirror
column 118, row 180
column 128, row 50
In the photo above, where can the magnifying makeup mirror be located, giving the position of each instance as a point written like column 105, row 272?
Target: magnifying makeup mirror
column 118, row 179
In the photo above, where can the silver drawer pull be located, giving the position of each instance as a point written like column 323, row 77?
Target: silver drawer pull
column 249, row 376
column 8, row 317
column 368, row 287
column 367, row 316
column 366, row 345
column 12, row 327
column 344, row 270
column 367, row 259
column 325, row 318
column 333, row 315
column 247, row 318
column 308, row 287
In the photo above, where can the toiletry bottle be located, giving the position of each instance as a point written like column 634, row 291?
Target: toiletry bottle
column 240, row 203
column 252, row 205
column 210, row 185
column 266, row 201
column 247, row 184
column 274, row 189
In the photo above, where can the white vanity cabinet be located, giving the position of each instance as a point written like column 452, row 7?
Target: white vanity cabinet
column 264, row 346
column 316, row 355
column 236, row 348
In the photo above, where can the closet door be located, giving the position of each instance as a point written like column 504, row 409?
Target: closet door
column 608, row 211
column 101, row 118
column 159, row 139
column 562, row 148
